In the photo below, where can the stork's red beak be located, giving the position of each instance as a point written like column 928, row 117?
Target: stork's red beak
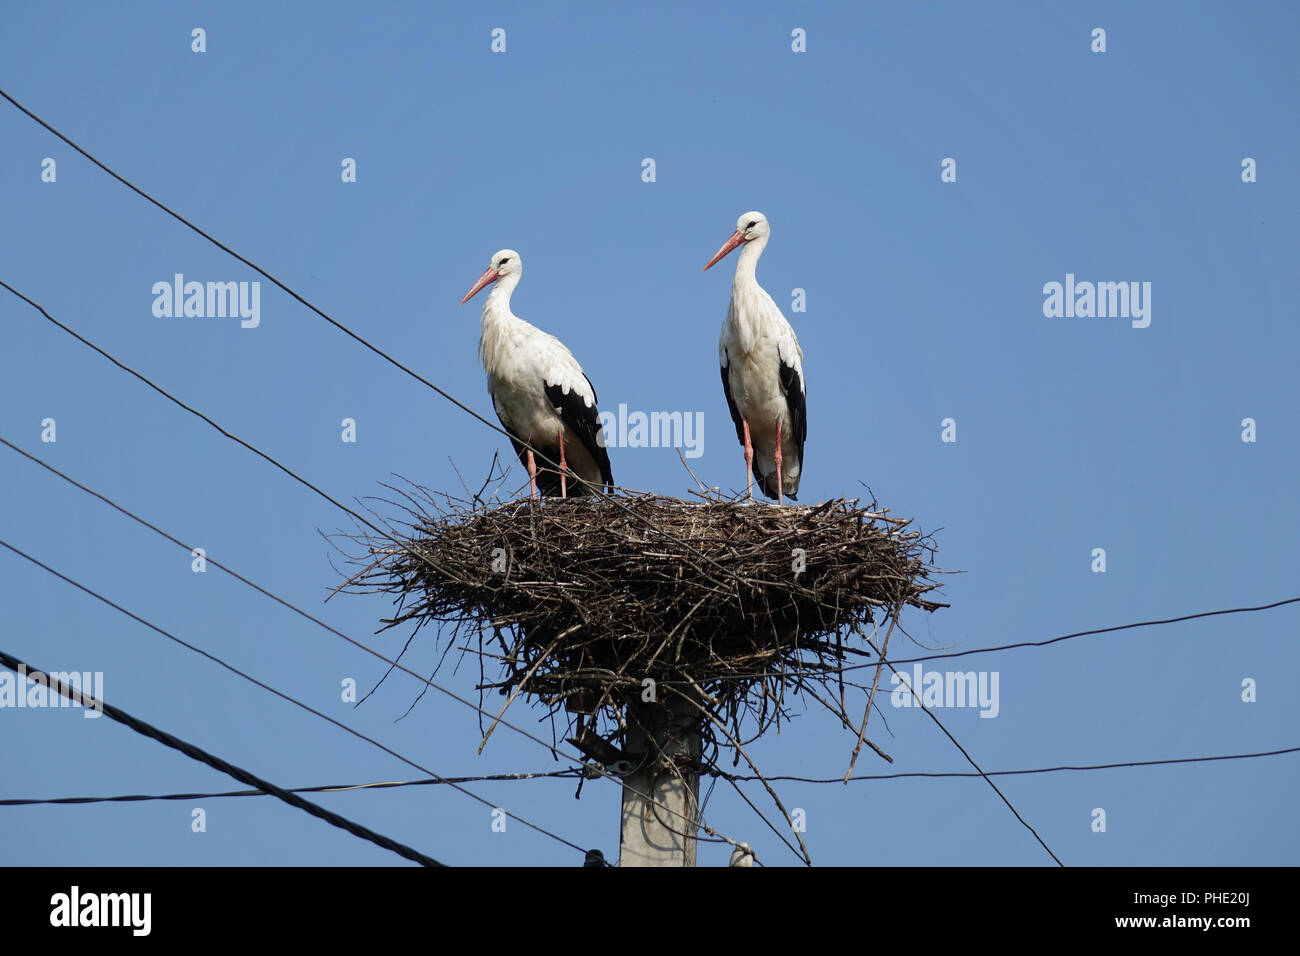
column 736, row 239
column 491, row 275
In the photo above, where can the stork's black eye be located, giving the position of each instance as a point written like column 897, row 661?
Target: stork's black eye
column 504, row 261
column 752, row 224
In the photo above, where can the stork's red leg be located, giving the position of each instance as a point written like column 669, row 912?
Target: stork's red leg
column 564, row 487
column 777, row 457
column 532, row 474
column 749, row 460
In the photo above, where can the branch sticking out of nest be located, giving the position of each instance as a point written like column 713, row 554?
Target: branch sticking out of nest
column 595, row 604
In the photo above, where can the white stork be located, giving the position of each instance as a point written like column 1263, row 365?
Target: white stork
column 762, row 371
column 539, row 391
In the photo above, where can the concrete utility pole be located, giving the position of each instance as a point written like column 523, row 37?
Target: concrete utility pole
column 662, row 834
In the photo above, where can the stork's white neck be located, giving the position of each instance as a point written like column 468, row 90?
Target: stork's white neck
column 497, row 319
column 498, row 300
column 747, row 263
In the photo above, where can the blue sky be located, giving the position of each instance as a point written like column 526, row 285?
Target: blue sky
column 924, row 302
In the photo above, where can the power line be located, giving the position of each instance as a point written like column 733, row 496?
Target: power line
column 196, row 753
column 713, row 772
column 267, row 687
column 1097, row 630
column 1043, row 643
column 327, row 788
column 1010, row 773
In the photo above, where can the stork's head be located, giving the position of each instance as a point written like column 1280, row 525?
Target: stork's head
column 504, row 263
column 750, row 226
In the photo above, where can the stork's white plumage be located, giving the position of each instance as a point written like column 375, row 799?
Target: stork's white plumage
column 539, row 391
column 762, row 370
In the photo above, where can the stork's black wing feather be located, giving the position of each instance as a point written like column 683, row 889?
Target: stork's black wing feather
column 585, row 423
column 795, row 402
column 731, row 403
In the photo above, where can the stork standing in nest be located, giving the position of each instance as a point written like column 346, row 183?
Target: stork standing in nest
column 762, row 371
column 543, row 398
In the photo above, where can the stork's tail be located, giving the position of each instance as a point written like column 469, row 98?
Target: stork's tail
column 548, row 485
column 767, row 483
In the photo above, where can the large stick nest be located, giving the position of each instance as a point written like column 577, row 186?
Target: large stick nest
column 576, row 603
